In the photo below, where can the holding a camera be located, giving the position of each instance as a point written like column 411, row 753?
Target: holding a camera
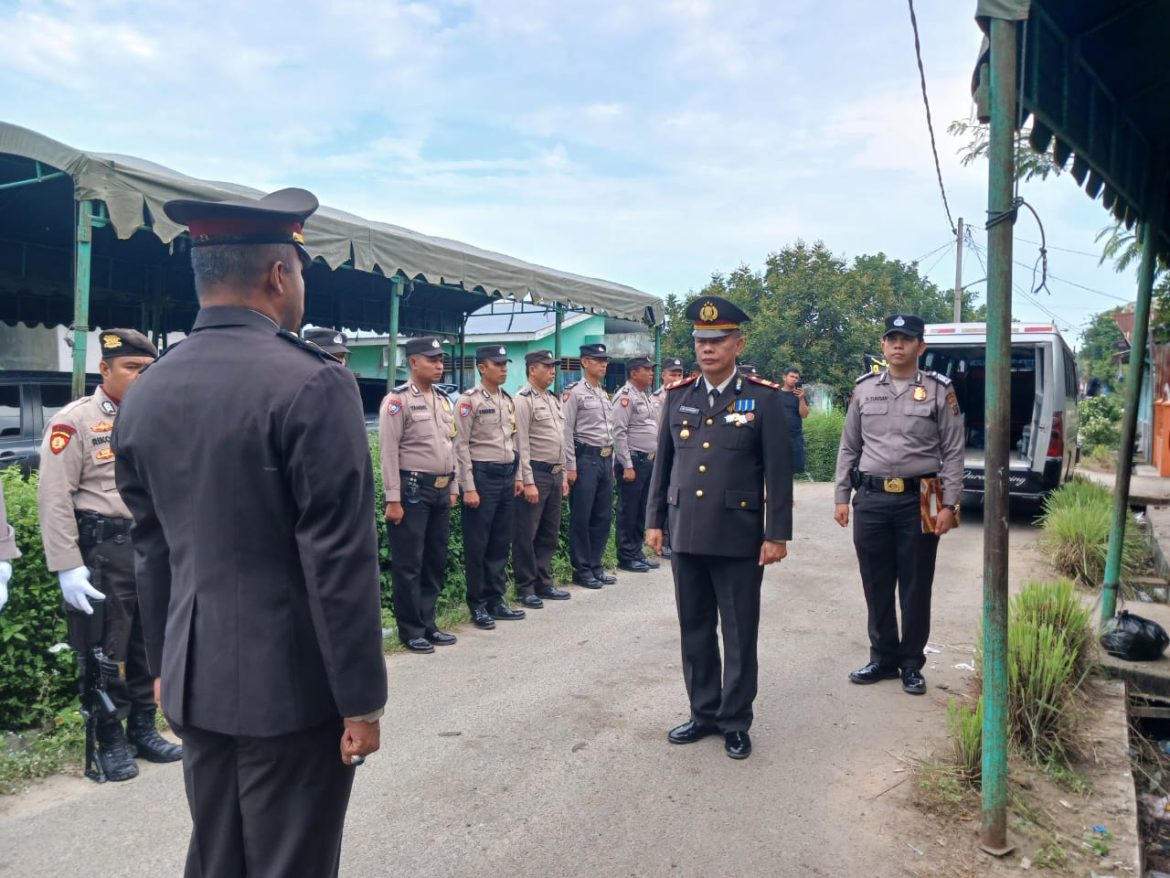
column 795, row 410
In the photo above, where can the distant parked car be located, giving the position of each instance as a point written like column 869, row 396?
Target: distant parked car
column 28, row 401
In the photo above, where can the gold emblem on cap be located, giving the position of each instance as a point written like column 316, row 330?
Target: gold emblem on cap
column 298, row 238
column 708, row 313
column 109, row 340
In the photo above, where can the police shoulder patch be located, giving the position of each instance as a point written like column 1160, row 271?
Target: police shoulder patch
column 393, row 405
column 465, row 409
column 682, row 382
column 59, row 437
column 756, row 379
column 625, row 402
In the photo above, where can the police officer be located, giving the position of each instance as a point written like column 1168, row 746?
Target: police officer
column 85, row 527
column 331, row 342
column 244, row 457
column 672, row 371
column 903, row 428
column 635, row 439
column 588, row 459
column 416, row 426
column 540, row 440
column 8, row 551
column 748, row 369
column 485, row 451
column 723, row 478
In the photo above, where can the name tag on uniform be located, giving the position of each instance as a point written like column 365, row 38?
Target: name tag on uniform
column 689, row 409
column 487, row 411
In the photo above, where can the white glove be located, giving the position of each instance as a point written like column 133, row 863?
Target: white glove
column 76, row 590
column 5, row 575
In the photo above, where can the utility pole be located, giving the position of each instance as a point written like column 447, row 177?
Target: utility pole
column 959, row 273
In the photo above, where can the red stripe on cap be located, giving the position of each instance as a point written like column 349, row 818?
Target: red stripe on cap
column 242, row 225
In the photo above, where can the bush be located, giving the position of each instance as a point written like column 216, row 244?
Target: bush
column 1100, row 423
column 822, row 437
column 1058, row 604
column 35, row 683
column 1076, row 522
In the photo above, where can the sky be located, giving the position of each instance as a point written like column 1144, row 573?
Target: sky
column 651, row 143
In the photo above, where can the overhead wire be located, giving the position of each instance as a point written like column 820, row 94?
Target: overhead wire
column 929, row 122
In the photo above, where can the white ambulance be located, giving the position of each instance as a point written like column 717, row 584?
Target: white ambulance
column 1043, row 395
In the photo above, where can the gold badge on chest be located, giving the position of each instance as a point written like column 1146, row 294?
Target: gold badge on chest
column 919, row 393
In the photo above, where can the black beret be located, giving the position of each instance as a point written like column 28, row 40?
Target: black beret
column 126, row 343
column 426, row 345
column 494, row 352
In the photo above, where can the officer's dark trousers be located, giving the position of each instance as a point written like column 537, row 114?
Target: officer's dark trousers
column 710, row 589
column 487, row 533
column 590, row 511
column 538, row 528
column 265, row 807
column 111, row 565
column 418, row 556
column 893, row 552
column 631, row 508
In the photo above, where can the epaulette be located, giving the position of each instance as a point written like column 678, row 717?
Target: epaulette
column 505, row 393
column 941, row 379
column 570, row 385
column 869, row 374
column 307, row 346
column 682, row 382
column 402, row 388
column 526, row 391
column 168, row 349
column 756, row 379
column 625, row 391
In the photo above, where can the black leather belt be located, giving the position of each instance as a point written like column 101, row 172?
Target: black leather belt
column 893, row 484
column 643, row 455
column 495, row 469
column 93, row 528
column 428, row 480
column 584, row 450
column 544, row 467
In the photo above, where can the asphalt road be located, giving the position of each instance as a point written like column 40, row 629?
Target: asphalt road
column 539, row 749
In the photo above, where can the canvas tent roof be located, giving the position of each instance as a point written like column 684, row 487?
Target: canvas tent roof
column 449, row 276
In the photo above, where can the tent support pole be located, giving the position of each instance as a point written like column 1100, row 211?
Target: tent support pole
column 1001, row 178
column 462, row 349
column 560, row 325
column 82, row 247
column 1149, row 232
column 396, row 284
column 658, row 355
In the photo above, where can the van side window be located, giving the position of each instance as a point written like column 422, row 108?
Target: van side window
column 10, row 411
column 1071, row 388
column 54, row 397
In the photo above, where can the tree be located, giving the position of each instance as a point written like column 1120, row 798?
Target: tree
column 1100, row 342
column 1029, row 163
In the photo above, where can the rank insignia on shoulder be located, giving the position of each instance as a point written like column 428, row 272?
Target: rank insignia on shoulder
column 101, row 427
column 106, row 453
column 756, row 379
column 394, row 406
column 60, row 436
column 682, row 382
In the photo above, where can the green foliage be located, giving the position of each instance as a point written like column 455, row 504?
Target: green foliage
column 965, row 724
column 35, row 683
column 26, row 757
column 1028, row 163
column 822, row 437
column 1101, row 340
column 1100, row 422
column 1058, row 604
column 1076, row 522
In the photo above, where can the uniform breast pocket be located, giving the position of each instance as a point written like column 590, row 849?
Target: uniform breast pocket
column 541, row 414
column 921, row 419
column 732, row 436
column 875, row 407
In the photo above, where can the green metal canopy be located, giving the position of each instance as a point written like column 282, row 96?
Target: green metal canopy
column 140, row 273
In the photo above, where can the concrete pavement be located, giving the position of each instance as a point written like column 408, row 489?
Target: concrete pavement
column 539, row 749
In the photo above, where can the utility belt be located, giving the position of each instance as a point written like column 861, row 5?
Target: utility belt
column 544, row 467
column 583, row 450
column 643, row 455
column 93, row 528
column 495, row 469
column 426, row 480
column 894, row 485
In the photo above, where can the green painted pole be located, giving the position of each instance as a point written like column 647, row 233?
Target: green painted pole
column 997, row 415
column 82, row 254
column 1133, row 387
column 560, row 325
column 396, row 288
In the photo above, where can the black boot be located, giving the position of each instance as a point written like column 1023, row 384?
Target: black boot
column 148, row 744
column 112, row 753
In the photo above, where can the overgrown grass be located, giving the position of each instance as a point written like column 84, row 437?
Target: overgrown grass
column 32, row 755
column 1076, row 522
column 965, row 724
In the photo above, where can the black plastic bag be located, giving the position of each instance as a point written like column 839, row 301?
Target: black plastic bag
column 1134, row 638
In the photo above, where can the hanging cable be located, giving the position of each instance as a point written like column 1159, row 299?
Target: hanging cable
column 929, row 123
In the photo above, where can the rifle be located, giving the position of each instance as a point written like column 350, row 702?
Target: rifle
column 87, row 637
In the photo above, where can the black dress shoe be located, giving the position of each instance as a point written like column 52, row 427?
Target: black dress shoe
column 634, row 567
column 689, row 732
column 500, row 610
column 913, row 681
column 872, row 673
column 651, row 563
column 442, row 638
column 604, row 578
column 419, row 644
column 480, row 617
column 531, row 600
column 553, row 594
column 586, row 579
column 737, row 745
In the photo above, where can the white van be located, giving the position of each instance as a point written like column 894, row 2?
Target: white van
column 1043, row 394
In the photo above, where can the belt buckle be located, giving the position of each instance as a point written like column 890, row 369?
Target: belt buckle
column 894, row 486
column 650, row 455
column 442, row 481
column 556, row 468
column 607, row 451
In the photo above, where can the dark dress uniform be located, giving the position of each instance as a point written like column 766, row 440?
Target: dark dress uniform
column 243, row 455
column 894, row 437
column 723, row 480
column 416, row 429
